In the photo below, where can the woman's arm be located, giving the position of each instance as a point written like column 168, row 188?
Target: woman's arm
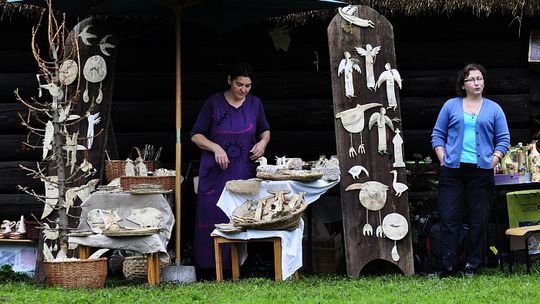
column 219, row 154
column 259, row 148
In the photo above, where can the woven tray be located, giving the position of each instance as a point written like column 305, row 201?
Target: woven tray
column 295, row 175
column 167, row 182
column 77, row 274
column 288, row 222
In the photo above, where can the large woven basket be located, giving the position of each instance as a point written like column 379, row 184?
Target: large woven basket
column 79, row 273
column 288, row 222
column 136, row 267
column 116, row 168
column 167, row 182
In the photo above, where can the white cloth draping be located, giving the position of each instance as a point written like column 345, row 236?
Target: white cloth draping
column 124, row 203
column 291, row 241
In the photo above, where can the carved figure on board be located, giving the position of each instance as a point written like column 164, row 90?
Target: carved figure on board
column 353, row 121
column 71, row 148
column 373, row 197
column 104, row 45
column 398, row 187
column 381, row 120
column 357, row 170
column 370, row 53
column 348, row 13
column 398, row 150
column 93, row 119
column 346, row 67
column 390, row 76
column 395, row 227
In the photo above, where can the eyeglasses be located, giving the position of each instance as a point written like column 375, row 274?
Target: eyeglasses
column 472, row 79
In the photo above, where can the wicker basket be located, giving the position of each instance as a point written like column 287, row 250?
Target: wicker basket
column 116, row 168
column 32, row 230
column 288, row 222
column 79, row 273
column 136, row 267
column 167, row 182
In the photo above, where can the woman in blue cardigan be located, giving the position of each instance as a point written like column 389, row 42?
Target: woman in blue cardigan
column 470, row 138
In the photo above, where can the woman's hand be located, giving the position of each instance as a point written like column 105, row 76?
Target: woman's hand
column 221, row 157
column 257, row 150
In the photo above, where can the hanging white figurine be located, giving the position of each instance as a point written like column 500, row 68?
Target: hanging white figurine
column 104, row 45
column 93, row 119
column 346, row 67
column 390, row 76
column 71, row 148
column 398, row 150
column 353, row 121
column 348, row 13
column 370, row 53
column 381, row 120
column 48, row 138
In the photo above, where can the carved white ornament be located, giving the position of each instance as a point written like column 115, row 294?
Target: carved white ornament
column 398, row 150
column 399, row 188
column 67, row 73
column 93, row 119
column 395, row 227
column 373, row 197
column 346, row 67
column 381, row 120
column 348, row 13
column 104, row 45
column 390, row 76
column 370, row 53
column 353, row 121
column 85, row 35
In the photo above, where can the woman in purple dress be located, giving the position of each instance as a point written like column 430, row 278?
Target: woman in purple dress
column 232, row 132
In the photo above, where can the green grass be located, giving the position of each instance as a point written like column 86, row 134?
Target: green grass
column 492, row 286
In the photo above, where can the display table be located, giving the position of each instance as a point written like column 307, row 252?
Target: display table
column 124, row 203
column 291, row 241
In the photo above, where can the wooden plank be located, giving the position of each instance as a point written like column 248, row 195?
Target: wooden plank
column 361, row 248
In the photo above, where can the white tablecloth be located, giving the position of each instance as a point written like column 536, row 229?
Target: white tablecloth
column 123, row 203
column 291, row 241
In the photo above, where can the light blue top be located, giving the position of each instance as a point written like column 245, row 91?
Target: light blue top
column 491, row 132
column 468, row 152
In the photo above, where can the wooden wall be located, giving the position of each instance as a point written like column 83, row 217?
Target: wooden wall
column 297, row 97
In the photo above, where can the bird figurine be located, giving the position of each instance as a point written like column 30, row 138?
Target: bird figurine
column 398, row 187
column 104, row 45
column 85, row 35
column 357, row 170
column 50, row 233
column 353, row 122
column 373, row 197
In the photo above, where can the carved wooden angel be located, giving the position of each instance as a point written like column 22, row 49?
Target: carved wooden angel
column 381, row 120
column 93, row 119
column 71, row 148
column 390, row 76
column 346, row 67
column 370, row 53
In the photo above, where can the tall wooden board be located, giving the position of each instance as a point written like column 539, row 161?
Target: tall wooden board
column 362, row 249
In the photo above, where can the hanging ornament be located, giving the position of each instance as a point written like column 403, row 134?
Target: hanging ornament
column 395, row 227
column 94, row 71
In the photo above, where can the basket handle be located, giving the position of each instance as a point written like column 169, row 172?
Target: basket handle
column 131, row 154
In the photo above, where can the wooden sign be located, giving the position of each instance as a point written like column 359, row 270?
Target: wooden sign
column 365, row 89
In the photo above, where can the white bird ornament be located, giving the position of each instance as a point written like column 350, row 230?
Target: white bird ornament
column 104, row 45
column 373, row 197
column 357, row 170
column 398, row 187
column 85, row 35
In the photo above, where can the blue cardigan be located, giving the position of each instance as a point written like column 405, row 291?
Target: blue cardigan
column 491, row 132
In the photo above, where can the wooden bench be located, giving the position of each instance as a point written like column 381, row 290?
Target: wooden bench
column 525, row 233
column 235, row 258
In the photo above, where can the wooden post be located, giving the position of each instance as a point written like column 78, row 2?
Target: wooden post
column 361, row 249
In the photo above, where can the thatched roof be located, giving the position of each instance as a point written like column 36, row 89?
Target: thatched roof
column 481, row 8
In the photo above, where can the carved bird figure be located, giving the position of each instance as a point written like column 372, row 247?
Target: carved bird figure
column 85, row 35
column 50, row 233
column 357, row 170
column 104, row 45
column 353, row 121
column 372, row 196
column 398, row 187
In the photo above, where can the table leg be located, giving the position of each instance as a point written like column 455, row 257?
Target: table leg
column 84, row 252
column 235, row 262
column 151, row 271
column 217, row 254
column 277, row 259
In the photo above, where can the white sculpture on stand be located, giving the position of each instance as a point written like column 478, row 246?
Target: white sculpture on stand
column 370, row 53
column 346, row 67
column 390, row 76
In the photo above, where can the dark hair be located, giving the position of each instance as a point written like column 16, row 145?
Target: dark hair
column 242, row 69
column 464, row 73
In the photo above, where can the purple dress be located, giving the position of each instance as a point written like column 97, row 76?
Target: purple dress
column 236, row 130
